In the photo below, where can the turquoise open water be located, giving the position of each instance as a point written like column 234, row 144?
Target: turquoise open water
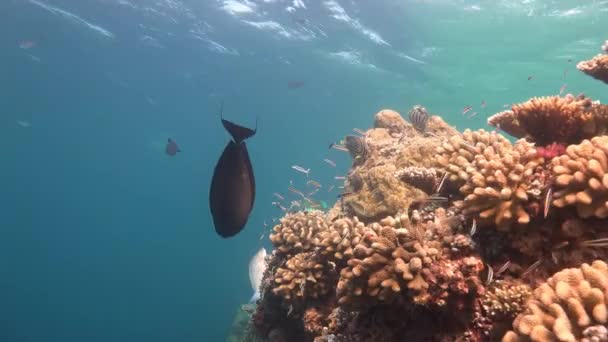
column 103, row 237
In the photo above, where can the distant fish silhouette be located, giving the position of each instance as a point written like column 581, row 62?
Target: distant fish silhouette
column 172, row 147
column 295, row 84
column 233, row 186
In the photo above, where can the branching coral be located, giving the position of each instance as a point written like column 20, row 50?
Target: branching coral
column 387, row 266
column 597, row 67
column 581, row 178
column 297, row 232
column 500, row 180
column 563, row 308
column 338, row 241
column 303, row 276
column 554, row 119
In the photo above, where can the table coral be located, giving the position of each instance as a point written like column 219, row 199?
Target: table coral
column 500, row 180
column 581, row 178
column 597, row 67
column 562, row 308
column 553, row 119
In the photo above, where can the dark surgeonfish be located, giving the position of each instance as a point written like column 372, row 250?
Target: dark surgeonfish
column 172, row 147
column 233, row 186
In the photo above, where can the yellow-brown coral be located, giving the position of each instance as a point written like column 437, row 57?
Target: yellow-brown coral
column 597, row 67
column 563, row 307
column 387, row 266
column 394, row 144
column 297, row 232
column 500, row 179
column 338, row 241
column 554, row 119
column 505, row 299
column 581, row 178
column 304, row 275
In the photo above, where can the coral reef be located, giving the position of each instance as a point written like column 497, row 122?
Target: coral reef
column 505, row 299
column 597, row 67
column 394, row 144
column 553, row 119
column 501, row 182
column 303, row 276
column 295, row 232
column 441, row 236
column 581, row 178
column 571, row 305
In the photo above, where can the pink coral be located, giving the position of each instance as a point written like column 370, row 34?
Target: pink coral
column 551, row 150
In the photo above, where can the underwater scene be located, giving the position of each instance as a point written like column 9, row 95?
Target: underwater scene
column 304, row 170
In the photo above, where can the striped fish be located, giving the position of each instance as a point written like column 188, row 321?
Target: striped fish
column 356, row 146
column 419, row 117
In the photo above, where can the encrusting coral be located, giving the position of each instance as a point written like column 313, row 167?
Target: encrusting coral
column 581, row 178
column 553, row 119
column 392, row 145
column 564, row 307
column 500, row 180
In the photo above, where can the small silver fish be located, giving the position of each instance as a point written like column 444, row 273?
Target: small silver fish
column 358, row 131
column 300, row 169
column 547, row 202
column 330, row 162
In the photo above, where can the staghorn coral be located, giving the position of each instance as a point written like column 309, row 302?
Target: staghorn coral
column 553, row 119
column 297, row 232
column 562, row 308
column 504, row 300
column 581, row 178
column 499, row 180
column 597, row 67
column 304, row 276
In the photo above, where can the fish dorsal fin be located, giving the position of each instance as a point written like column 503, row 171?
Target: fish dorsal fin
column 238, row 133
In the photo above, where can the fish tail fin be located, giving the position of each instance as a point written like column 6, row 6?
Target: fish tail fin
column 238, row 133
column 255, row 297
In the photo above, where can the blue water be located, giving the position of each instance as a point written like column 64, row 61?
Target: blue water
column 103, row 237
